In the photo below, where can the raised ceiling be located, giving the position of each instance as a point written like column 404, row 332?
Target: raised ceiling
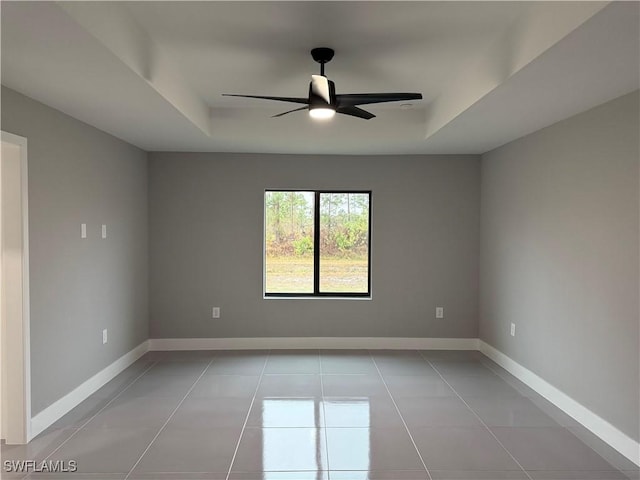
column 152, row 73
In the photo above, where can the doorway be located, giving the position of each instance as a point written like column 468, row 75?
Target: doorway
column 15, row 398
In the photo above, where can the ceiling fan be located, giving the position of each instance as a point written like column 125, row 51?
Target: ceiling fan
column 323, row 102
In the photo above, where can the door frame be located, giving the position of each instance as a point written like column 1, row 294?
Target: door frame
column 17, row 353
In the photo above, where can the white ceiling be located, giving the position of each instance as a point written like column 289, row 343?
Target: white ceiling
column 152, row 73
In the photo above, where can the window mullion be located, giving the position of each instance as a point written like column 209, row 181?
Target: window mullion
column 316, row 244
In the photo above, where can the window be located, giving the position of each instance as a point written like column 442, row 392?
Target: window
column 317, row 243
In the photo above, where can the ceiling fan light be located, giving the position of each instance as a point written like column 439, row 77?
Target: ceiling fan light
column 322, row 113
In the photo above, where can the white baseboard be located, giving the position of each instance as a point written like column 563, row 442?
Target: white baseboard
column 373, row 343
column 596, row 424
column 600, row 427
column 56, row 410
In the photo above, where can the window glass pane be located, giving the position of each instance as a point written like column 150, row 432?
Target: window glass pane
column 289, row 242
column 344, row 242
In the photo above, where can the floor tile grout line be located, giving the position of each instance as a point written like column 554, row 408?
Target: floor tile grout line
column 400, row 414
column 101, row 410
column 324, row 415
column 612, row 463
column 476, row 415
column 489, row 364
column 503, row 375
column 543, row 410
column 246, row 418
column 170, row 417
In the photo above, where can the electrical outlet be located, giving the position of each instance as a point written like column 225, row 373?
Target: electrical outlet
column 439, row 312
column 513, row 329
column 104, row 231
column 83, row 230
column 215, row 312
column 104, row 336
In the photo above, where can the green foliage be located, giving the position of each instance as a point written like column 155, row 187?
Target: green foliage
column 303, row 246
column 344, row 223
column 351, row 237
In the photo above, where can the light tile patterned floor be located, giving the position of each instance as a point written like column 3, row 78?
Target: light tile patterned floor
column 321, row 415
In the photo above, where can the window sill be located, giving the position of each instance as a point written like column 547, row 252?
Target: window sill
column 313, row 297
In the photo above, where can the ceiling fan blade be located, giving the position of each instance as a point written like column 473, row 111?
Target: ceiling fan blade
column 320, row 87
column 351, row 99
column 290, row 111
column 355, row 112
column 278, row 99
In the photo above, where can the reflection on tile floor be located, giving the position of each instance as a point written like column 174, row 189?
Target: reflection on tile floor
column 321, row 415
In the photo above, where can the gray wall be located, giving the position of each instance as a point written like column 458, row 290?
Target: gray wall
column 559, row 257
column 78, row 174
column 206, row 244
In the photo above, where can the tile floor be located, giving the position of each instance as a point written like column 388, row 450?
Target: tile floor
column 308, row 414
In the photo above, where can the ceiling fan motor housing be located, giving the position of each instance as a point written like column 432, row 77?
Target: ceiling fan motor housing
column 316, row 101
